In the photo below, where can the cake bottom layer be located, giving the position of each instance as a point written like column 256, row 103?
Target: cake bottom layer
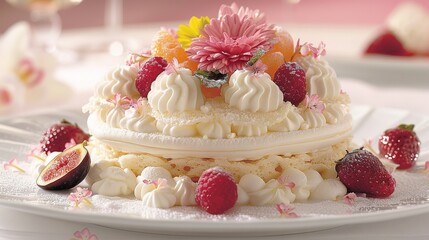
column 268, row 167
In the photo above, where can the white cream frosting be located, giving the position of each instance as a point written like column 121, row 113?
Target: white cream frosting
column 115, row 116
column 321, row 78
column 184, row 191
column 334, row 112
column 410, row 24
column 299, row 180
column 248, row 130
column 313, row 119
column 214, row 129
column 155, row 196
column 177, row 130
column 234, row 149
column 313, row 179
column 249, row 92
column 97, row 168
column 115, row 181
column 272, row 193
column 155, row 173
column 242, row 196
column 119, row 80
column 329, row 189
column 176, row 92
column 138, row 122
column 251, row 183
column 292, row 122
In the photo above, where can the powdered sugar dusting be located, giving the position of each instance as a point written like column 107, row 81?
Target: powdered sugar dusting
column 412, row 190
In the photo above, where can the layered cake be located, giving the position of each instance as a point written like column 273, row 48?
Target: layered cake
column 232, row 92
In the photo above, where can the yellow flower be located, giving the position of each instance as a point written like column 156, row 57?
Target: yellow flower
column 187, row 33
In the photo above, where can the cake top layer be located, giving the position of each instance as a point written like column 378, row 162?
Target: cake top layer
column 231, row 76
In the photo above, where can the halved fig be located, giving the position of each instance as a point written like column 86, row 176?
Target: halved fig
column 66, row 170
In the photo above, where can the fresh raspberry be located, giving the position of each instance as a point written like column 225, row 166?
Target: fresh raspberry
column 55, row 138
column 148, row 73
column 400, row 145
column 216, row 191
column 362, row 172
column 387, row 44
column 290, row 77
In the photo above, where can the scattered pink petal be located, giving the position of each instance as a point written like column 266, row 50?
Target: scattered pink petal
column 349, row 198
column 13, row 165
column 160, row 182
column 125, row 102
column 284, row 181
column 172, row 67
column 308, row 48
column 80, row 195
column 36, row 154
column 313, row 103
column 286, row 210
column 134, row 58
column 84, row 234
column 258, row 68
column 30, row 74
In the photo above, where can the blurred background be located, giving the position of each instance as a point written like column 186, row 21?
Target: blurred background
column 82, row 39
column 91, row 13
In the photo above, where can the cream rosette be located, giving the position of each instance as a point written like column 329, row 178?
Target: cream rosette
column 176, row 91
column 252, row 92
column 321, row 78
column 119, row 80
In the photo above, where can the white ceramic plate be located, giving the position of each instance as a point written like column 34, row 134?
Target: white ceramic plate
column 385, row 70
column 19, row 192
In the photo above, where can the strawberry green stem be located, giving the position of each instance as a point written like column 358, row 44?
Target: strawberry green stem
column 408, row 127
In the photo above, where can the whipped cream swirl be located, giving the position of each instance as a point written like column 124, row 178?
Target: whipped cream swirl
column 292, row 122
column 248, row 130
column 115, row 181
column 321, row 78
column 247, row 91
column 214, row 129
column 119, row 80
column 334, row 112
column 138, row 122
column 155, row 195
column 176, row 92
column 184, row 191
column 177, row 130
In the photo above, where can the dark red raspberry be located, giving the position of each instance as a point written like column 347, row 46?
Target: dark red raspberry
column 290, row 77
column 148, row 73
column 216, row 191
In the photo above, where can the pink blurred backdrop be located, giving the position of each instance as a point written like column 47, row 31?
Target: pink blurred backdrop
column 90, row 13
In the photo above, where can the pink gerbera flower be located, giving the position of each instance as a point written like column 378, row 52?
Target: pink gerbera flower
column 228, row 43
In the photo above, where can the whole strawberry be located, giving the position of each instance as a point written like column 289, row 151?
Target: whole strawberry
column 55, row 138
column 216, row 191
column 387, row 44
column 290, row 78
column 148, row 73
column 362, row 172
column 400, row 145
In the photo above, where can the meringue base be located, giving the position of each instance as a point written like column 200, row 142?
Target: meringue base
column 268, row 167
